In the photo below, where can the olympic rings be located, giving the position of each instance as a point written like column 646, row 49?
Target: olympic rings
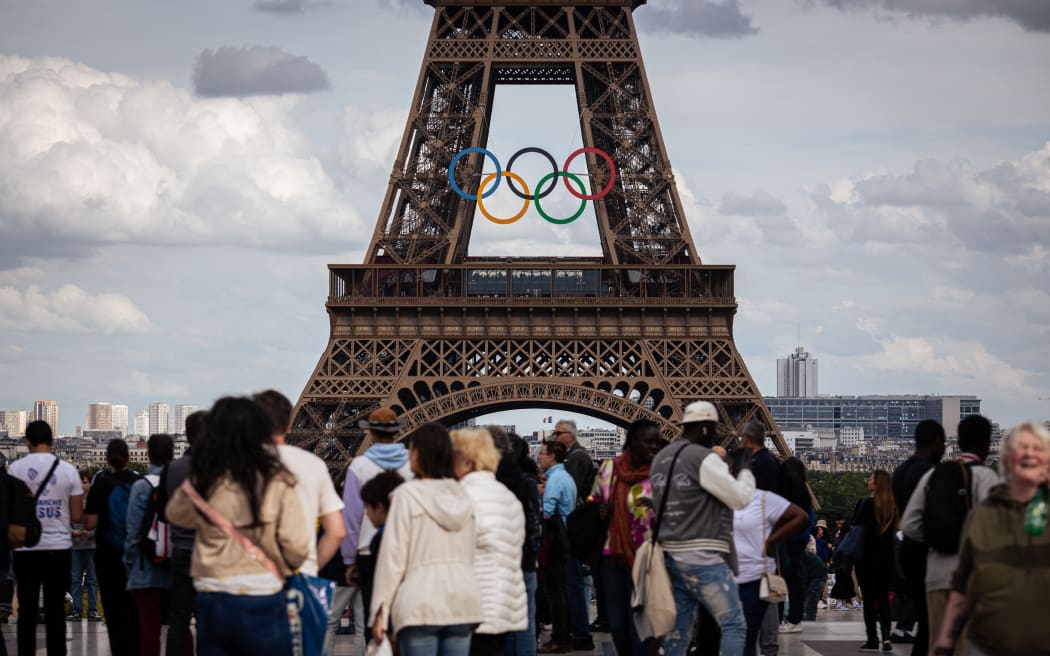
column 540, row 192
column 583, row 203
column 524, row 208
column 612, row 172
column 514, row 158
column 452, row 171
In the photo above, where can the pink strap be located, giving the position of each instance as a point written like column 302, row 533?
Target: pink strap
column 246, row 543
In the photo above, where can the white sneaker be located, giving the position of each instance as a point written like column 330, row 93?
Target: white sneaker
column 857, row 604
column 788, row 627
column 821, row 605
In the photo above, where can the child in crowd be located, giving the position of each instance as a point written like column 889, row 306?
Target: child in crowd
column 816, row 582
column 375, row 494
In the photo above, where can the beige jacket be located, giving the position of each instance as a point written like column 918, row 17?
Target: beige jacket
column 282, row 535
column 425, row 570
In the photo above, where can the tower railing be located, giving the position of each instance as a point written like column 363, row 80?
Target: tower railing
column 529, row 282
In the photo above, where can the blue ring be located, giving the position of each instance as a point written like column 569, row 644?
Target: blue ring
column 452, row 171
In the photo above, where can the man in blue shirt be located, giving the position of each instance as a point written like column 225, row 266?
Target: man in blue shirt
column 559, row 499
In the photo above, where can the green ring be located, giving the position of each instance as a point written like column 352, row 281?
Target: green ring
column 579, row 183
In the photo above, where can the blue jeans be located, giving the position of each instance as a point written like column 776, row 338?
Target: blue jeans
column 754, row 613
column 523, row 643
column 242, row 624
column 814, row 591
column 714, row 587
column 617, row 587
column 451, row 640
column 83, row 573
column 579, row 605
column 792, row 556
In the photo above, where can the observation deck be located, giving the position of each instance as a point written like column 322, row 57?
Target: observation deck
column 531, row 282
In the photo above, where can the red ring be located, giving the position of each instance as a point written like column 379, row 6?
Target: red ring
column 612, row 173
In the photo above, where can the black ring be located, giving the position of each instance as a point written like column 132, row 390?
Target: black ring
column 554, row 180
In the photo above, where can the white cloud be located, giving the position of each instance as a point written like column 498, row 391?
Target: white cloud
column 1033, row 15
column 90, row 158
column 141, row 384
column 1036, row 260
column 757, row 202
column 959, row 364
column 1003, row 209
column 258, row 70
column 698, row 18
column 69, row 309
column 372, row 138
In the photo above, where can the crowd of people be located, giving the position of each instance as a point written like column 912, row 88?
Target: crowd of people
column 461, row 543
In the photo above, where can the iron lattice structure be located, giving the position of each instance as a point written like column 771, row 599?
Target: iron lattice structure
column 439, row 336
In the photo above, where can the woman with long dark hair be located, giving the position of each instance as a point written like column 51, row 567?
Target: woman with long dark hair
column 795, row 488
column 424, row 583
column 523, row 643
column 879, row 517
column 237, row 473
column 624, row 489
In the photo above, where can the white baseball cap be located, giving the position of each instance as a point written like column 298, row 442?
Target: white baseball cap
column 699, row 411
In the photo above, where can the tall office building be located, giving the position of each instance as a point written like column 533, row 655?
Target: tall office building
column 120, row 419
column 100, row 416
column 797, row 375
column 181, row 412
column 141, row 424
column 14, row 422
column 47, row 411
column 158, row 418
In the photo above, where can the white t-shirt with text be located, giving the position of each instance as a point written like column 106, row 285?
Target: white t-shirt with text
column 316, row 493
column 749, row 536
column 52, row 508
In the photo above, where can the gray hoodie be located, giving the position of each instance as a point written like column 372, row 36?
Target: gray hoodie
column 425, row 569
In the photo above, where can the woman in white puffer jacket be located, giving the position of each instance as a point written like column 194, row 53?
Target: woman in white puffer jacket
column 499, row 535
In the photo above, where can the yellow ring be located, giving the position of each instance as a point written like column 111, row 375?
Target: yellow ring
column 481, row 190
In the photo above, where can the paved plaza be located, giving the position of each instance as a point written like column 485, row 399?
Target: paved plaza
column 835, row 633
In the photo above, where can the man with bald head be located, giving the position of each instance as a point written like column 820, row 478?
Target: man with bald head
column 580, row 466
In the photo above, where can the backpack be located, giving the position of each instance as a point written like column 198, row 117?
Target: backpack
column 949, row 498
column 23, row 524
column 117, row 529
column 155, row 533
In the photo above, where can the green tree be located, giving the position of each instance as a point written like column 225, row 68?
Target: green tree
column 837, row 493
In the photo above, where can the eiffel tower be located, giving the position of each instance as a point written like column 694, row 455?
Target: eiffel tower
column 440, row 336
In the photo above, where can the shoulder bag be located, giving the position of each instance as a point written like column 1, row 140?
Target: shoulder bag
column 587, row 531
column 773, row 587
column 308, row 598
column 850, row 550
column 652, row 603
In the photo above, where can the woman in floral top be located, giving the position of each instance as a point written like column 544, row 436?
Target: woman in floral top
column 623, row 488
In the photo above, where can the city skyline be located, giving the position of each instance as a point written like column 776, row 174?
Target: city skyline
column 876, row 177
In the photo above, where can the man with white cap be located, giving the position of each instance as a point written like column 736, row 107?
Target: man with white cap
column 696, row 531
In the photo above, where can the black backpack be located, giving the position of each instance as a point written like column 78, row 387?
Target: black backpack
column 23, row 525
column 949, row 498
column 155, row 532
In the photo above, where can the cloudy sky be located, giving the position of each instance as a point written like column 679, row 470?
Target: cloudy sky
column 174, row 177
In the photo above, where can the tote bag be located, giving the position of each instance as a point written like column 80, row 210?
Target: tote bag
column 652, row 604
column 307, row 598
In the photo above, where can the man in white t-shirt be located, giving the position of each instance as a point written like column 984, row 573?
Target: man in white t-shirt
column 313, row 483
column 48, row 563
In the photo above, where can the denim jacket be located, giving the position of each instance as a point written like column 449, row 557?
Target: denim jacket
column 142, row 573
